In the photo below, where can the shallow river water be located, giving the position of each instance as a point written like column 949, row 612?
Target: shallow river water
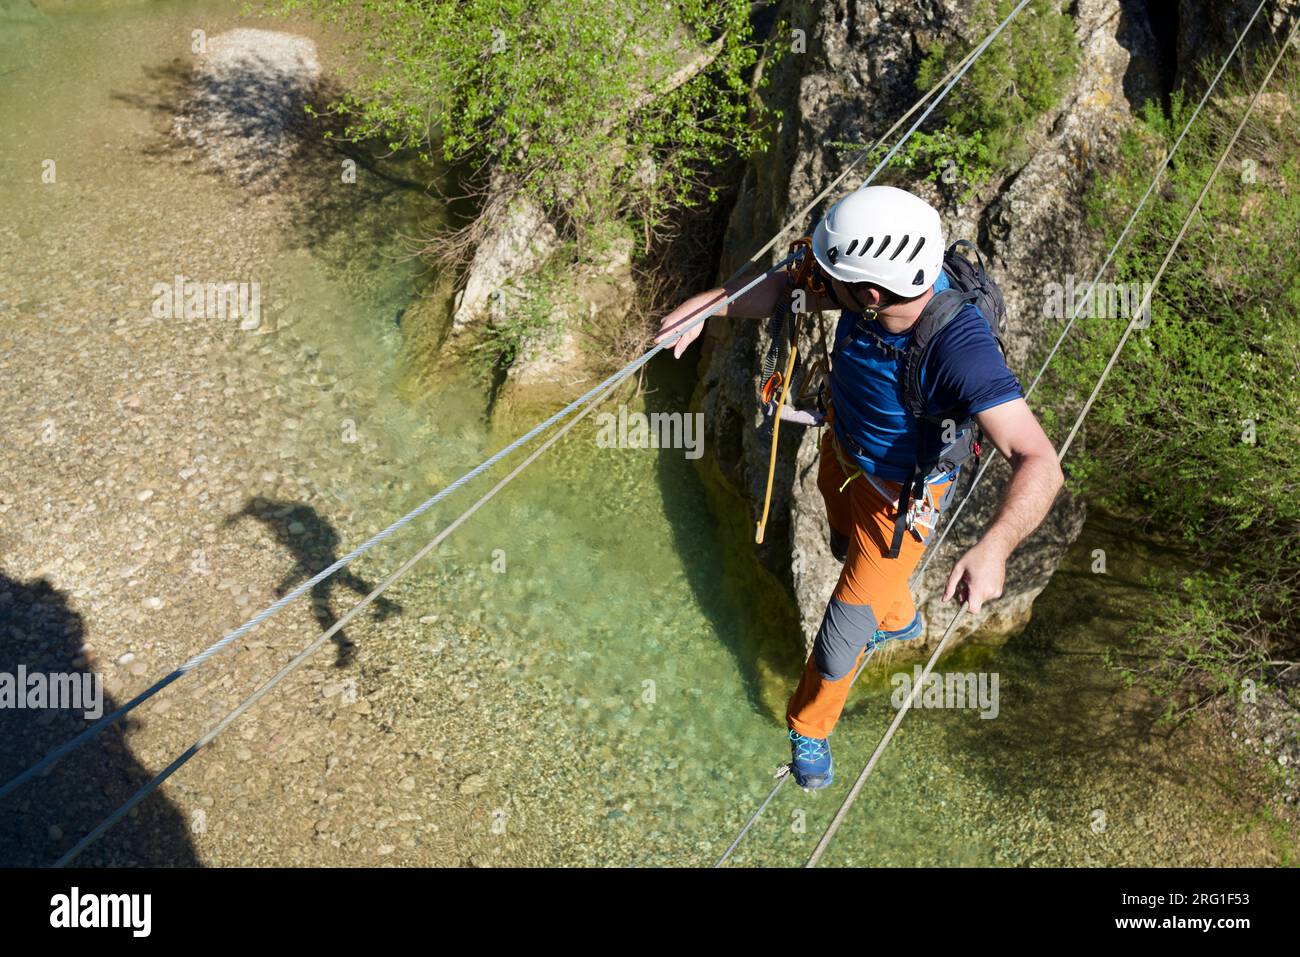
column 584, row 656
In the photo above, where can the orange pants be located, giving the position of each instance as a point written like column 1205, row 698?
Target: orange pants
column 872, row 592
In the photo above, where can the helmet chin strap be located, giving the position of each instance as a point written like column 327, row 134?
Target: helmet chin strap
column 868, row 312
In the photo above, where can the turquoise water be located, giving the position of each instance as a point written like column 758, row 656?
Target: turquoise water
column 594, row 643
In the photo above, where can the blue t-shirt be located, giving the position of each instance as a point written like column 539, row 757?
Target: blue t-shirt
column 964, row 374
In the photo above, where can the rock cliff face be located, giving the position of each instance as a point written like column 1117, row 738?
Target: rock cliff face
column 857, row 75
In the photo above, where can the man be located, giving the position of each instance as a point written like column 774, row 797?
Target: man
column 879, row 253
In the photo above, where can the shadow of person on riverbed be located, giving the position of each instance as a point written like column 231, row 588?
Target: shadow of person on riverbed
column 314, row 544
column 44, row 818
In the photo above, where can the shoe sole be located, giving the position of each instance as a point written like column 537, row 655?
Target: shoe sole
column 830, row 778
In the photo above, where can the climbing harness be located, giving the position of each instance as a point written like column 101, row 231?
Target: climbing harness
column 922, row 512
column 800, row 275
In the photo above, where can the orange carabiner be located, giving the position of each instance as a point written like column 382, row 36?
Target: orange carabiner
column 770, row 386
column 802, row 274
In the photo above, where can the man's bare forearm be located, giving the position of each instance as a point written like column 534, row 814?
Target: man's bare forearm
column 758, row 303
column 1035, row 480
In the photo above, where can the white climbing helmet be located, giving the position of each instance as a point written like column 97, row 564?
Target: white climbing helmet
column 882, row 235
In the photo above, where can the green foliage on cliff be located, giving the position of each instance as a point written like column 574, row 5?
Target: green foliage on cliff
column 1021, row 75
column 1198, row 426
column 597, row 109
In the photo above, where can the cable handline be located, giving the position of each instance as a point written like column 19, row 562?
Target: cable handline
column 953, row 77
column 1160, row 170
column 611, row 383
column 1065, row 446
column 51, row 759
column 1178, row 239
column 107, row 824
column 202, row 657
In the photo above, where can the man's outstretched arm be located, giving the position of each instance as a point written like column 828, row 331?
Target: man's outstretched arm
column 758, row 303
column 1036, row 477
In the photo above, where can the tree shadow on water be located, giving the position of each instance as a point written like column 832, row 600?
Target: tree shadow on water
column 314, row 545
column 41, row 634
column 255, row 130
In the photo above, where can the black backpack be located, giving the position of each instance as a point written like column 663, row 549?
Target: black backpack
column 970, row 284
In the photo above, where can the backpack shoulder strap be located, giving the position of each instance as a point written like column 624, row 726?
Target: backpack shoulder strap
column 958, row 244
column 970, row 285
column 934, row 318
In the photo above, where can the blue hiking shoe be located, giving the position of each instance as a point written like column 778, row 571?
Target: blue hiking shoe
column 810, row 761
column 909, row 631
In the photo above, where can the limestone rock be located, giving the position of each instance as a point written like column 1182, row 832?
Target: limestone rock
column 555, row 365
column 518, row 240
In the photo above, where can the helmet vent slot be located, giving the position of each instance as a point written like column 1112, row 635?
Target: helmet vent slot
column 849, row 251
column 902, row 244
column 920, row 278
column 919, row 243
column 884, row 243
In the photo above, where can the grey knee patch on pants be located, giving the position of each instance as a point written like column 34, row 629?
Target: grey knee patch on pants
column 845, row 631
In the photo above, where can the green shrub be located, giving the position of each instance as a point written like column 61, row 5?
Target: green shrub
column 1196, row 428
column 981, row 124
column 597, row 109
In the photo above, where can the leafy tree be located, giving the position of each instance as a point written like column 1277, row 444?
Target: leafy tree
column 596, row 109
